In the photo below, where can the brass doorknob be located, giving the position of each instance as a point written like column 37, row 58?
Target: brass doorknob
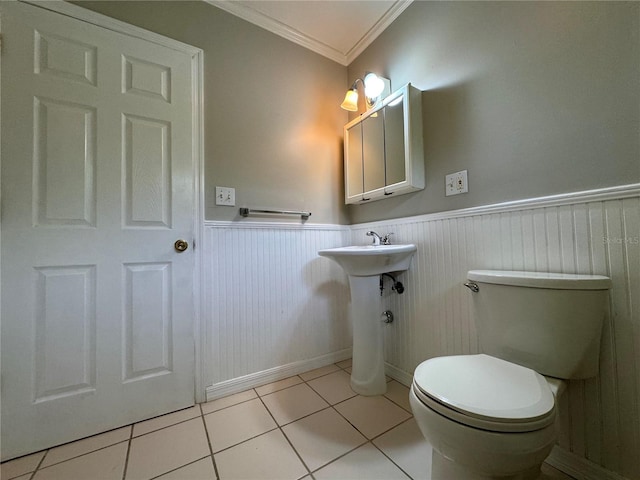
column 181, row 245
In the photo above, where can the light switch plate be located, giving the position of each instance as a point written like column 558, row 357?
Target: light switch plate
column 226, row 196
column 456, row 183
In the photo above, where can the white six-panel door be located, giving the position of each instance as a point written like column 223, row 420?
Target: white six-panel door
column 97, row 185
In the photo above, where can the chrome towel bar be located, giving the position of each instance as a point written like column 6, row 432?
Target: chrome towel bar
column 245, row 212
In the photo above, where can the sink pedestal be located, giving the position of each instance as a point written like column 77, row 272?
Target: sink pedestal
column 364, row 265
column 367, row 373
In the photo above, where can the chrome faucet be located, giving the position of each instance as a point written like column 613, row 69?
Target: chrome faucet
column 378, row 240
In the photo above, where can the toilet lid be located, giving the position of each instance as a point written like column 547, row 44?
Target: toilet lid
column 486, row 388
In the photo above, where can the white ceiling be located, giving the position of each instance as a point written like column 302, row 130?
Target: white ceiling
column 338, row 29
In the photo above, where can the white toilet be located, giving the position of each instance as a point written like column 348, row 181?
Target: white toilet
column 493, row 415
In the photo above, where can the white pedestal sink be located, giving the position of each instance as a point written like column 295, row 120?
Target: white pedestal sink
column 363, row 265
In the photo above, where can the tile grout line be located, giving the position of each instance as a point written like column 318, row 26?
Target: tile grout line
column 245, row 441
column 390, row 428
column 165, row 427
column 131, row 437
column 386, row 431
column 390, row 459
column 326, row 400
column 285, row 436
column 202, row 415
column 224, row 408
column 278, row 390
column 352, row 425
column 410, row 412
column 392, row 400
column 368, row 440
column 40, row 467
column 341, row 456
column 319, row 376
column 47, row 450
column 383, row 395
column 332, row 406
column 349, row 421
column 278, row 426
column 274, row 428
column 302, row 380
column 206, row 431
column 303, row 417
column 126, row 458
column 178, row 468
column 33, row 474
column 304, row 464
column 382, row 451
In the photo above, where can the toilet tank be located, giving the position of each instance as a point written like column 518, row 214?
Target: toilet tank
column 549, row 322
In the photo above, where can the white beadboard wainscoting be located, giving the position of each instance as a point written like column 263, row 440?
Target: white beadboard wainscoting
column 274, row 308
column 593, row 232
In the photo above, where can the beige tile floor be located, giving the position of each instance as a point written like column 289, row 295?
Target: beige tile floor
column 307, row 426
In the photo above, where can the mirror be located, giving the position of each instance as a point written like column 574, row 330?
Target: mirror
column 394, row 143
column 353, row 161
column 373, row 151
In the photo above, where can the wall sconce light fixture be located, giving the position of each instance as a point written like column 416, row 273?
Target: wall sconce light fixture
column 375, row 89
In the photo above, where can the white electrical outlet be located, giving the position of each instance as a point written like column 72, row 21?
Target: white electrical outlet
column 226, row 196
column 456, row 183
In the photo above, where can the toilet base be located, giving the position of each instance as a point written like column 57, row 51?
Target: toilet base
column 463, row 452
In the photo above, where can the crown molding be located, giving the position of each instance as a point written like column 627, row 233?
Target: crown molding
column 274, row 26
column 390, row 15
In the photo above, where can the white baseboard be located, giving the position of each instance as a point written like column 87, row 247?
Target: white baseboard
column 579, row 467
column 399, row 375
column 240, row 384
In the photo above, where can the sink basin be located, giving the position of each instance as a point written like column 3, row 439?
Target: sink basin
column 367, row 260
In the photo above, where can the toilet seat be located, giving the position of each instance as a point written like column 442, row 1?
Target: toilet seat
column 485, row 392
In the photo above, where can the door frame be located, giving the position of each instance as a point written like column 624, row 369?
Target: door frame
column 197, row 92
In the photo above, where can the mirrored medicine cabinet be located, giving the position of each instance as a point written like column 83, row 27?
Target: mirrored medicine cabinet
column 383, row 152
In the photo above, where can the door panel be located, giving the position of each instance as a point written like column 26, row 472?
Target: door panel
column 148, row 337
column 64, row 163
column 145, row 78
column 97, row 184
column 147, row 172
column 65, row 331
column 65, row 58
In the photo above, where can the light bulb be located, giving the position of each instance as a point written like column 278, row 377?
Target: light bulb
column 373, row 85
